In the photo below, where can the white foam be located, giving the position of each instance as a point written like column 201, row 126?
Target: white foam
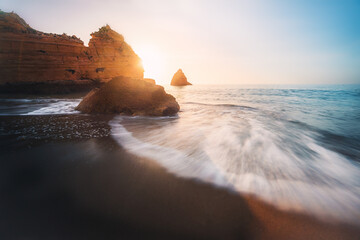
column 58, row 107
column 175, row 161
column 239, row 151
column 324, row 183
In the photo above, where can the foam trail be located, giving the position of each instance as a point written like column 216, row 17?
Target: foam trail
column 322, row 183
column 173, row 160
column 241, row 151
column 57, row 107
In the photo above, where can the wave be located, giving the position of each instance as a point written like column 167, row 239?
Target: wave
column 287, row 168
column 174, row 160
column 30, row 100
column 57, row 107
column 16, row 100
column 40, row 106
column 220, row 105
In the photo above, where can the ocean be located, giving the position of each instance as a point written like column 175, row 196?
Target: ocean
column 295, row 147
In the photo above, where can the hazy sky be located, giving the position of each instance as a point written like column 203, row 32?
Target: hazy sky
column 219, row 41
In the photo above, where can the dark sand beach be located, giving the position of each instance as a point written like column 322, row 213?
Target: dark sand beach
column 61, row 182
column 182, row 120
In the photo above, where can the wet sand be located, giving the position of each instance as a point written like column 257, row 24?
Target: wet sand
column 84, row 186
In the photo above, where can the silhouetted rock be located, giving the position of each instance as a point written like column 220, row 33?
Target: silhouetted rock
column 131, row 97
column 149, row 80
column 31, row 59
column 179, row 79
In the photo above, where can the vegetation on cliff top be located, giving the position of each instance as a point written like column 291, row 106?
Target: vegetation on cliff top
column 12, row 22
column 105, row 32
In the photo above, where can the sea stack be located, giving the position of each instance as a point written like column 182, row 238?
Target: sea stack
column 37, row 62
column 129, row 96
column 179, row 79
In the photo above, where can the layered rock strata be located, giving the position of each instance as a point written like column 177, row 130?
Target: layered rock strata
column 36, row 62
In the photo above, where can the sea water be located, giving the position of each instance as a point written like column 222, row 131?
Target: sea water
column 296, row 147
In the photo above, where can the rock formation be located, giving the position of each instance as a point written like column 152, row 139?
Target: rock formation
column 33, row 61
column 150, row 80
column 179, row 79
column 131, row 97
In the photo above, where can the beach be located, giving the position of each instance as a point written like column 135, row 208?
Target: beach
column 179, row 120
column 84, row 185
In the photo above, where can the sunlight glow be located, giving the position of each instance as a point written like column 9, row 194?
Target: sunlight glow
column 153, row 62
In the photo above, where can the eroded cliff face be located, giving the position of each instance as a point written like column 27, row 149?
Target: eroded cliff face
column 29, row 58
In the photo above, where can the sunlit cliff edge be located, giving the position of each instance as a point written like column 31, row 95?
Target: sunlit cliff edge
column 37, row 62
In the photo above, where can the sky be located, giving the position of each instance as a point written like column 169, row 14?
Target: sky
column 219, row 41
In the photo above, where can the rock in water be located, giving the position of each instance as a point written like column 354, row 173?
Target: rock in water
column 179, row 79
column 36, row 62
column 131, row 97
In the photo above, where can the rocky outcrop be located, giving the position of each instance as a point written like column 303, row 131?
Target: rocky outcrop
column 130, row 97
column 31, row 60
column 179, row 79
column 150, row 80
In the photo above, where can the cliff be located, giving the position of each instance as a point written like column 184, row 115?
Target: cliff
column 35, row 62
column 179, row 79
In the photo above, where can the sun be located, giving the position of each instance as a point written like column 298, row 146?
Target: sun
column 153, row 62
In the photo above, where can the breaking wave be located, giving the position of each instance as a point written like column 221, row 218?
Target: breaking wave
column 272, row 155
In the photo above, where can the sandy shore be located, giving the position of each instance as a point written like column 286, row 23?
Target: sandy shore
column 90, row 188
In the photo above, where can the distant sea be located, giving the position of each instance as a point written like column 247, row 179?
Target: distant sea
column 296, row 147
